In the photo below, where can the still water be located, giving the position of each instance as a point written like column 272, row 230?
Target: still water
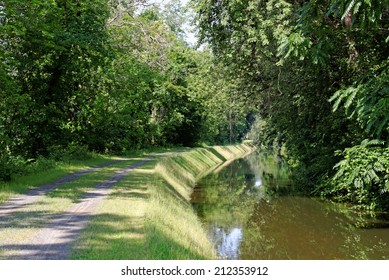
column 250, row 215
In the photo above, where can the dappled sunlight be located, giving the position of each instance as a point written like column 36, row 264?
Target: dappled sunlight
column 17, row 229
column 123, row 211
column 60, row 173
column 76, row 189
column 61, row 211
column 173, row 169
column 182, row 171
column 199, row 161
column 133, row 159
column 143, row 171
column 116, row 231
column 229, row 152
column 179, row 189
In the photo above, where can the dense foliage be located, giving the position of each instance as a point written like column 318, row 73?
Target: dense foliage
column 318, row 72
column 107, row 76
column 111, row 76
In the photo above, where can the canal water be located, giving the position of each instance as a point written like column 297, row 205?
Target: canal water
column 249, row 214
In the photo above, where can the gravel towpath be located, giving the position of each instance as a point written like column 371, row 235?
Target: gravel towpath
column 19, row 201
column 54, row 240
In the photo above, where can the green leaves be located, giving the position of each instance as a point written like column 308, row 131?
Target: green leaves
column 368, row 102
column 318, row 74
column 296, row 45
column 348, row 9
column 363, row 13
column 52, row 48
column 362, row 177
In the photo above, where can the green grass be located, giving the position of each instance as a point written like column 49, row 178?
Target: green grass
column 146, row 216
column 28, row 220
column 149, row 216
column 20, row 184
column 117, row 228
column 173, row 230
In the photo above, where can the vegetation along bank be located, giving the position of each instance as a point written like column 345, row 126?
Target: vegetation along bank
column 308, row 79
column 149, row 215
column 134, row 207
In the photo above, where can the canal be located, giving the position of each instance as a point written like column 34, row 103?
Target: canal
column 248, row 210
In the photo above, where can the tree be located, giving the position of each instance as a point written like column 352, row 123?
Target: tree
column 293, row 57
column 110, row 75
column 226, row 115
column 55, row 46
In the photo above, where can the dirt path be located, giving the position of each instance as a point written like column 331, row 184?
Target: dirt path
column 19, row 201
column 54, row 240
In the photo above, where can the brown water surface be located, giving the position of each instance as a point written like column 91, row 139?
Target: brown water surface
column 250, row 214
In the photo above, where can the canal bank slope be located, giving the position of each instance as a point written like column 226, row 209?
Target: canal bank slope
column 149, row 216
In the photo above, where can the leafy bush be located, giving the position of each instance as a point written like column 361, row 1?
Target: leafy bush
column 40, row 164
column 16, row 165
column 362, row 176
column 72, row 152
column 77, row 152
column 10, row 165
column 5, row 169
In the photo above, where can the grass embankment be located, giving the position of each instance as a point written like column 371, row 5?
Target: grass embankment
column 148, row 215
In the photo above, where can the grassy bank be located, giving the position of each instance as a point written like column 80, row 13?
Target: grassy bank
column 148, row 215
column 46, row 170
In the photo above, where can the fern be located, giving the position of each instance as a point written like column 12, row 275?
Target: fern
column 347, row 11
column 368, row 102
column 374, row 142
column 367, row 13
column 362, row 177
column 350, row 97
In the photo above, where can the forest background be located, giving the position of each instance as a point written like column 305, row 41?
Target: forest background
column 307, row 79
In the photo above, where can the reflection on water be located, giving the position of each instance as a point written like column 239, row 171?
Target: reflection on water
column 227, row 242
column 258, row 182
column 251, row 216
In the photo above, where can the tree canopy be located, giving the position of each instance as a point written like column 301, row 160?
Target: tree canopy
column 318, row 71
column 306, row 78
column 108, row 75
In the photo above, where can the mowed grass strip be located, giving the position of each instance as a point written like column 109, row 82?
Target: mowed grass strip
column 117, row 229
column 148, row 215
column 16, row 229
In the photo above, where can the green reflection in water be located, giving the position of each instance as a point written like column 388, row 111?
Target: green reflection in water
column 250, row 215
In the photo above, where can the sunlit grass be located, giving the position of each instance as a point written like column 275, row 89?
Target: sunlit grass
column 173, row 229
column 117, row 229
column 20, row 184
column 23, row 224
column 148, row 215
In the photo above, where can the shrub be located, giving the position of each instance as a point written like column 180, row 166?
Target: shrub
column 362, row 177
column 40, row 164
column 72, row 152
column 10, row 165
